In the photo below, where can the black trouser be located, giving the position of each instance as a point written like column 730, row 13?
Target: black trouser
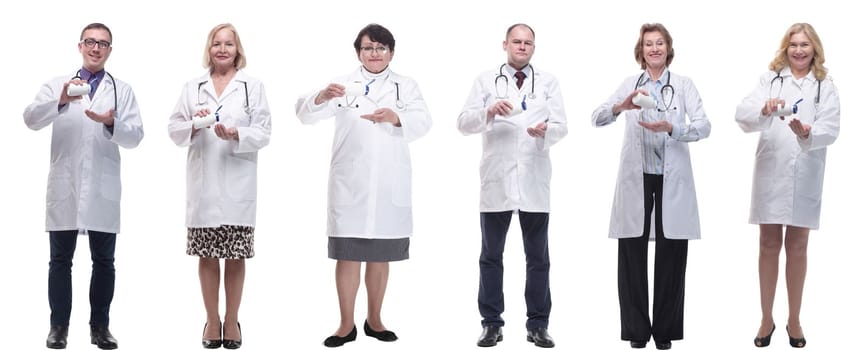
column 537, row 295
column 669, row 272
column 63, row 244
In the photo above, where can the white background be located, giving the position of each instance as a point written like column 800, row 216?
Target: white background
column 294, row 48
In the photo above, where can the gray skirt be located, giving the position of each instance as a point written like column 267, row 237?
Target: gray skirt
column 368, row 249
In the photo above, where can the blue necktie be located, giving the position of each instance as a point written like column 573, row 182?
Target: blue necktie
column 93, row 81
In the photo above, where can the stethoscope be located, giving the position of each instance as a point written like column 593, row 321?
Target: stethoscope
column 505, row 93
column 667, row 99
column 782, row 82
column 204, row 101
column 400, row 105
column 113, row 82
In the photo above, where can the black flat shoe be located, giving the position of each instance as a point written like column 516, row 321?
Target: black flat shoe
column 57, row 337
column 663, row 345
column 234, row 344
column 795, row 342
column 765, row 340
column 102, row 338
column 637, row 344
column 382, row 335
column 334, row 341
column 211, row 343
column 490, row 336
column 540, row 337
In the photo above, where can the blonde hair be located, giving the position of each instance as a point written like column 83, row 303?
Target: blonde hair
column 239, row 61
column 781, row 59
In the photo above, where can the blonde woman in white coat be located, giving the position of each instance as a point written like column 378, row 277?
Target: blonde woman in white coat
column 789, row 166
column 655, row 172
column 377, row 112
column 221, row 175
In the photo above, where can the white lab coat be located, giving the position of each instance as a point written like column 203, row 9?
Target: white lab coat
column 370, row 172
column 84, row 179
column 789, row 171
column 679, row 205
column 515, row 169
column 221, row 176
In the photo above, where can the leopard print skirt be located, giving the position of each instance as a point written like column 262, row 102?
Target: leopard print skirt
column 223, row 242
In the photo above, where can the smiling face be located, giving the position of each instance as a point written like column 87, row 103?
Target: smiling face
column 519, row 46
column 374, row 56
column 223, row 49
column 95, row 56
column 800, row 53
column 654, row 50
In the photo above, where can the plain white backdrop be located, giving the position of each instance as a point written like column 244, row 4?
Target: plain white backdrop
column 290, row 300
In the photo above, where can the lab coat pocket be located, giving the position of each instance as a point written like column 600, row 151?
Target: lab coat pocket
column 810, row 177
column 493, row 188
column 402, row 185
column 241, row 178
column 110, row 185
column 343, row 184
column 59, row 181
column 540, row 168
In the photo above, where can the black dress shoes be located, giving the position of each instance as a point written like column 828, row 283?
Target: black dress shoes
column 795, row 342
column 102, row 338
column 334, row 341
column 382, row 335
column 490, row 336
column 234, row 344
column 761, row 342
column 540, row 337
column 663, row 345
column 637, row 344
column 57, row 337
column 211, row 343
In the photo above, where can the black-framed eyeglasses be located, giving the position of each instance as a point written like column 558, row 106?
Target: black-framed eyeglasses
column 382, row 50
column 90, row 42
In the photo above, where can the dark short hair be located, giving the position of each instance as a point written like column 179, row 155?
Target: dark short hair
column 96, row 26
column 509, row 30
column 648, row 28
column 378, row 34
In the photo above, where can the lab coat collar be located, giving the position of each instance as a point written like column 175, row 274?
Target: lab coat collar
column 510, row 70
column 208, row 87
column 786, row 73
column 661, row 79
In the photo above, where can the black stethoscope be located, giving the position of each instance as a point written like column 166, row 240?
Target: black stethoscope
column 500, row 75
column 113, row 82
column 204, row 101
column 667, row 99
column 400, row 105
column 782, row 82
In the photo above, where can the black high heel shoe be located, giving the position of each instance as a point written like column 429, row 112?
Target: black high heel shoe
column 795, row 342
column 382, row 335
column 211, row 343
column 765, row 340
column 334, row 341
column 234, row 344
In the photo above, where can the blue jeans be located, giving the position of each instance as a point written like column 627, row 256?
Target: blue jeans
column 102, row 246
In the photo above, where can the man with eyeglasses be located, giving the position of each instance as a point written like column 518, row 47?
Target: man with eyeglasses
column 519, row 112
column 84, row 178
